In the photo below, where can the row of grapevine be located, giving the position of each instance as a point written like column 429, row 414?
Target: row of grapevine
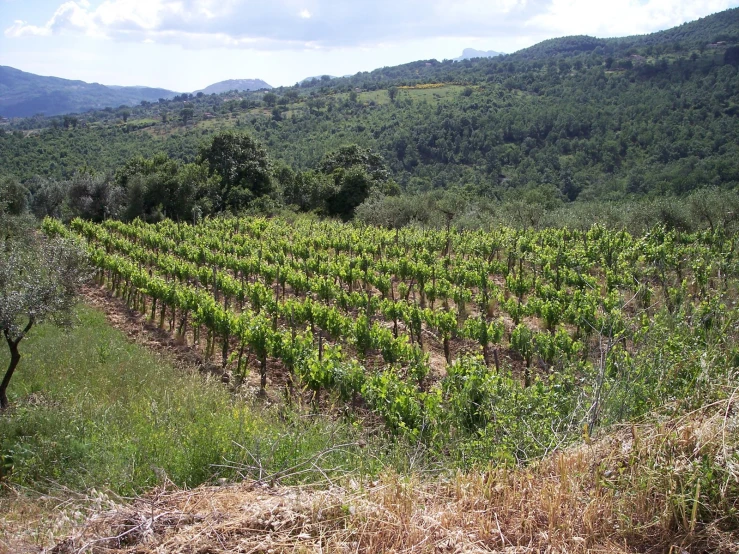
column 360, row 311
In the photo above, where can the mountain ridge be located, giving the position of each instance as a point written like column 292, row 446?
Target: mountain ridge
column 24, row 94
column 470, row 53
column 235, row 84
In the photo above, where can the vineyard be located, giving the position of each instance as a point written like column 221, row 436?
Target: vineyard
column 503, row 344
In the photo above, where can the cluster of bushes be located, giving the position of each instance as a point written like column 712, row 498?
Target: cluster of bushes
column 232, row 174
column 543, row 207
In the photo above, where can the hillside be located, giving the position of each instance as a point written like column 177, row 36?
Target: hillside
column 25, row 94
column 589, row 118
column 564, row 390
column 699, row 34
column 235, row 84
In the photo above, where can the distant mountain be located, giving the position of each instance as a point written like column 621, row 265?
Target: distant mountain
column 469, row 53
column 235, row 84
column 317, row 78
column 25, row 94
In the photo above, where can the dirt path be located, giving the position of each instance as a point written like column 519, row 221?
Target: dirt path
column 144, row 332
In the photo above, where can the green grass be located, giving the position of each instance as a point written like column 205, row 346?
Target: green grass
column 90, row 409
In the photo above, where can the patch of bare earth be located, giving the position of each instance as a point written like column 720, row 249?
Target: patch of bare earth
column 140, row 329
column 179, row 351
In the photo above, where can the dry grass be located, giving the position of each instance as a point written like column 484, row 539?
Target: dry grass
column 30, row 522
column 638, row 489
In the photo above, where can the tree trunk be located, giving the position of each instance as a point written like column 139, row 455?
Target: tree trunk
column 182, row 331
column 224, row 351
column 486, row 355
column 241, row 355
column 447, row 352
column 263, row 376
column 15, row 357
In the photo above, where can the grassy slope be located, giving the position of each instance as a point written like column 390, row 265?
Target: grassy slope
column 658, row 486
column 91, row 409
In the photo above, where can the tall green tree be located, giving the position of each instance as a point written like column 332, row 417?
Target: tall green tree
column 353, row 155
column 357, row 172
column 160, row 186
column 244, row 169
column 13, row 195
column 353, row 187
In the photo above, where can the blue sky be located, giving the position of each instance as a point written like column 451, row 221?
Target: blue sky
column 185, row 45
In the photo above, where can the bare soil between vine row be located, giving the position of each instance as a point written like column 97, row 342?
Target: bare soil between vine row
column 140, row 329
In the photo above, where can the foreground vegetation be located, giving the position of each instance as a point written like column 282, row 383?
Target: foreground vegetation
column 357, row 353
column 92, row 410
column 506, row 343
column 662, row 485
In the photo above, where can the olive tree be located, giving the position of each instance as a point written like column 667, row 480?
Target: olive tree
column 40, row 280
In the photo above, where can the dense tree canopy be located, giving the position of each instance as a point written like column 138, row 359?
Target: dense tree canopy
column 594, row 119
column 244, row 168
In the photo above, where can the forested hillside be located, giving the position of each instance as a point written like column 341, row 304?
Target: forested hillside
column 591, row 118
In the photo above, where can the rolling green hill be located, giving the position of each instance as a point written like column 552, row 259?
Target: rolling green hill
column 589, row 118
column 699, row 34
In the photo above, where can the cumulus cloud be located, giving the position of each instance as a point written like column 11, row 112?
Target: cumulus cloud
column 621, row 17
column 290, row 24
column 70, row 16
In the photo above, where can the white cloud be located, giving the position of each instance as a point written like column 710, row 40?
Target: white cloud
column 21, row 28
column 621, row 17
column 476, row 10
column 70, row 16
column 259, row 25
